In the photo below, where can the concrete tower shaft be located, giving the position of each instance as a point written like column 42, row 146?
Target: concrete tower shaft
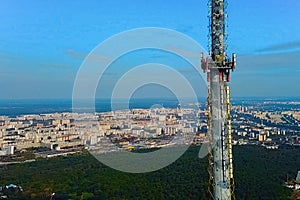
column 221, row 132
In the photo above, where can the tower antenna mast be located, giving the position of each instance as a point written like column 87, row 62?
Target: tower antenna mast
column 218, row 67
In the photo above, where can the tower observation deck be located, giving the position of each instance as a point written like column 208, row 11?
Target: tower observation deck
column 218, row 67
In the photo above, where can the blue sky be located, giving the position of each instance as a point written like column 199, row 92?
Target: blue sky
column 43, row 43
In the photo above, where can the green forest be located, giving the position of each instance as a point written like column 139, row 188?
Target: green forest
column 259, row 174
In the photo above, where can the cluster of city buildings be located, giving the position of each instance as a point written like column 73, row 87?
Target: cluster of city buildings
column 126, row 129
column 33, row 131
column 268, row 127
column 64, row 133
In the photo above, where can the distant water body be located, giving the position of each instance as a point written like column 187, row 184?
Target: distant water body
column 13, row 108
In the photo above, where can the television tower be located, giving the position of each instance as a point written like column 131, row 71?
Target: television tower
column 218, row 66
